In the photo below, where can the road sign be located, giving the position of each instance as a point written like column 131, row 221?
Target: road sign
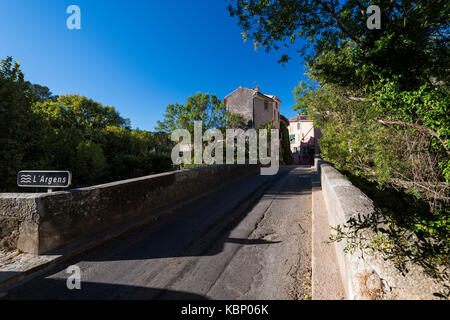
column 44, row 179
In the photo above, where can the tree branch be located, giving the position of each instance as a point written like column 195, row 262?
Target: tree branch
column 338, row 23
column 359, row 99
column 415, row 126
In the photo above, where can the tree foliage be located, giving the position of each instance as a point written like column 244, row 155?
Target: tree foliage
column 380, row 97
column 376, row 87
column 16, row 122
column 198, row 107
column 412, row 33
column 285, row 144
column 40, row 131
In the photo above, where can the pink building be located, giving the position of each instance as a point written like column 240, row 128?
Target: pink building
column 303, row 137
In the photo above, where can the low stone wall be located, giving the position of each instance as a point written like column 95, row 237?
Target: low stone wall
column 39, row 222
column 365, row 274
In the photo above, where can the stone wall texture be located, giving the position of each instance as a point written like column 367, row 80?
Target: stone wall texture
column 240, row 101
column 365, row 274
column 39, row 222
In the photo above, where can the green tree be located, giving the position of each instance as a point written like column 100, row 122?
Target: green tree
column 42, row 93
column 408, row 57
column 40, row 131
column 236, row 121
column 90, row 162
column 16, row 121
column 376, row 81
column 285, row 144
column 381, row 99
column 80, row 112
column 334, row 36
column 199, row 107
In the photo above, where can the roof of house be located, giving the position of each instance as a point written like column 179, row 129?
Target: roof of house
column 270, row 96
column 257, row 92
column 299, row 118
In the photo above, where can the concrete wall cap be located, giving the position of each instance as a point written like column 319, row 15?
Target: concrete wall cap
column 339, row 182
column 366, row 274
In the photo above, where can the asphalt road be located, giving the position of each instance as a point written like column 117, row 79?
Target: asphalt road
column 251, row 240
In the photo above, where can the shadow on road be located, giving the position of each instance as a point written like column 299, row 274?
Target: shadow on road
column 250, row 241
column 198, row 229
column 97, row 291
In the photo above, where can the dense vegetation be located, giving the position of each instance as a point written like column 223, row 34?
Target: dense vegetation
column 199, row 107
column 381, row 99
column 39, row 131
column 211, row 111
column 286, row 155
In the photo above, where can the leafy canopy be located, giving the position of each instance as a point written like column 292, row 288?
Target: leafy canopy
column 199, row 107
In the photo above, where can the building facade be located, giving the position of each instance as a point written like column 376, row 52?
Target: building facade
column 303, row 137
column 257, row 108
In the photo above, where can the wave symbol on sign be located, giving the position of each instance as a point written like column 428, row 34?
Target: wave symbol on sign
column 25, row 178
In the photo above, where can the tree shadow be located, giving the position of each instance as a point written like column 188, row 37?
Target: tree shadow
column 7, row 274
column 56, row 289
column 197, row 229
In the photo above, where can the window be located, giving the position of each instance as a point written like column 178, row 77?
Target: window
column 266, row 105
column 298, row 125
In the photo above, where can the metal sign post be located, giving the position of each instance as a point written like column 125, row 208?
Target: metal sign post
column 44, row 179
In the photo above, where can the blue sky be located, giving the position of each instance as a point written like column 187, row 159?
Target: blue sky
column 140, row 56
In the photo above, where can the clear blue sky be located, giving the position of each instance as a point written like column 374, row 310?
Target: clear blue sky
column 140, row 56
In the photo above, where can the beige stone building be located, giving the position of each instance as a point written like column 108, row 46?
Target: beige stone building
column 256, row 107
